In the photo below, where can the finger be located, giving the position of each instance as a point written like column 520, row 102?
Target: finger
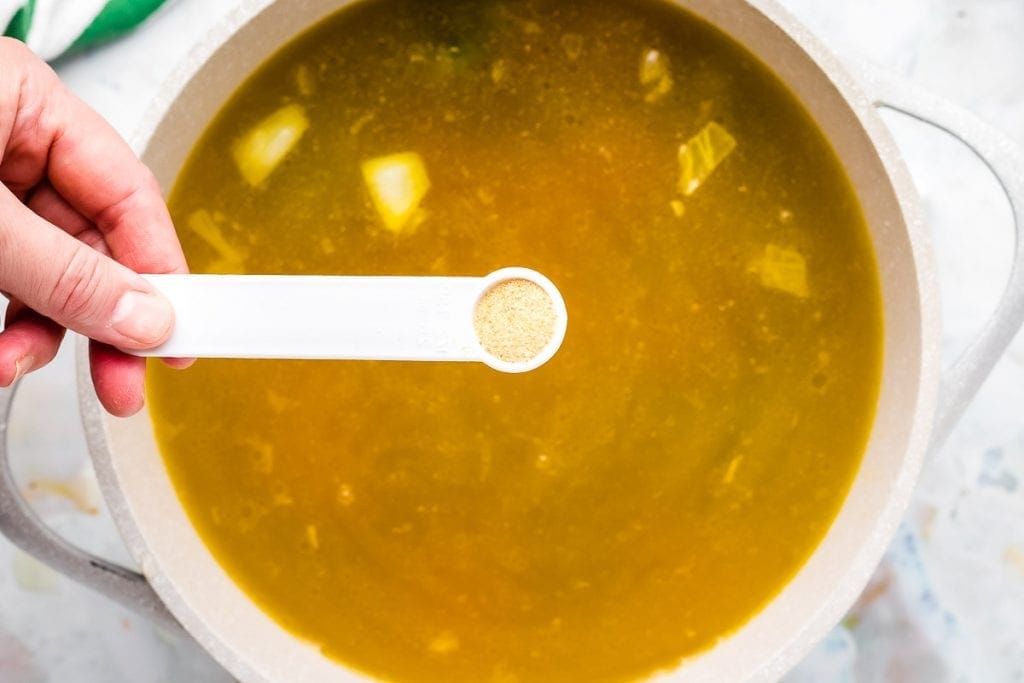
column 24, row 134
column 28, row 342
column 55, row 135
column 118, row 379
column 49, row 205
column 75, row 285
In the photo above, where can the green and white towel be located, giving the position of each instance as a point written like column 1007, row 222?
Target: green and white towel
column 54, row 27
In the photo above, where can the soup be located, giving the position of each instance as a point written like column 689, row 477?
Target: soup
column 651, row 487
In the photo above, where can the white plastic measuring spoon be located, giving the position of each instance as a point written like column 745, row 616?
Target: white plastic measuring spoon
column 341, row 317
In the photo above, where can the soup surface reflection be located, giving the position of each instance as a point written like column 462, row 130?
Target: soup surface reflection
column 629, row 503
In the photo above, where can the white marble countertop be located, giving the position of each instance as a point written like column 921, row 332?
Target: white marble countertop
column 948, row 601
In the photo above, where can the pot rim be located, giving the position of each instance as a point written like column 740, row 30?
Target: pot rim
column 877, row 536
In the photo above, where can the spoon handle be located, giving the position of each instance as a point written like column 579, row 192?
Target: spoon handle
column 320, row 316
column 334, row 317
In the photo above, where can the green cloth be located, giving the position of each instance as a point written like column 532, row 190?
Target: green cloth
column 18, row 28
column 116, row 18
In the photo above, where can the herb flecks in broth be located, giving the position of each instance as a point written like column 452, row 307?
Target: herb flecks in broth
column 645, row 492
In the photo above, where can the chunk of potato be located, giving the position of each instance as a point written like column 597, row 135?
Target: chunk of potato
column 259, row 151
column 397, row 184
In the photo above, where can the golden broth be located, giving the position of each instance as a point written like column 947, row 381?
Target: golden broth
column 651, row 487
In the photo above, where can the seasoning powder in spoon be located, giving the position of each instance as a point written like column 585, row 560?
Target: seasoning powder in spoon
column 515, row 320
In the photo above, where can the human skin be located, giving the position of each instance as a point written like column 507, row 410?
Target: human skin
column 80, row 217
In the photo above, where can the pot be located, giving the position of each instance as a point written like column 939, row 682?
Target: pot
column 181, row 586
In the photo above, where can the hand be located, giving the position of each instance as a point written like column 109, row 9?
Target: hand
column 80, row 216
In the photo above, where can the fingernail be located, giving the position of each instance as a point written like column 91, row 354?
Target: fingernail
column 22, row 367
column 179, row 363
column 145, row 318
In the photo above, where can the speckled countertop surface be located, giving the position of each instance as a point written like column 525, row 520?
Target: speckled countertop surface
column 948, row 601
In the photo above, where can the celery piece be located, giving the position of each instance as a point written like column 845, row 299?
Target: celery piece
column 304, row 80
column 701, row 154
column 782, row 268
column 230, row 259
column 655, row 75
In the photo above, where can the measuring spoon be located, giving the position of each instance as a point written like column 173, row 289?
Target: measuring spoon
column 343, row 317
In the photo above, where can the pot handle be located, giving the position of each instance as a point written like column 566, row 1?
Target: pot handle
column 1005, row 159
column 27, row 531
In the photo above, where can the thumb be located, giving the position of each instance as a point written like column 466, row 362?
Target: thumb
column 75, row 285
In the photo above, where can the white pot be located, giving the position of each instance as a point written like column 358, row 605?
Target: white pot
column 180, row 582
